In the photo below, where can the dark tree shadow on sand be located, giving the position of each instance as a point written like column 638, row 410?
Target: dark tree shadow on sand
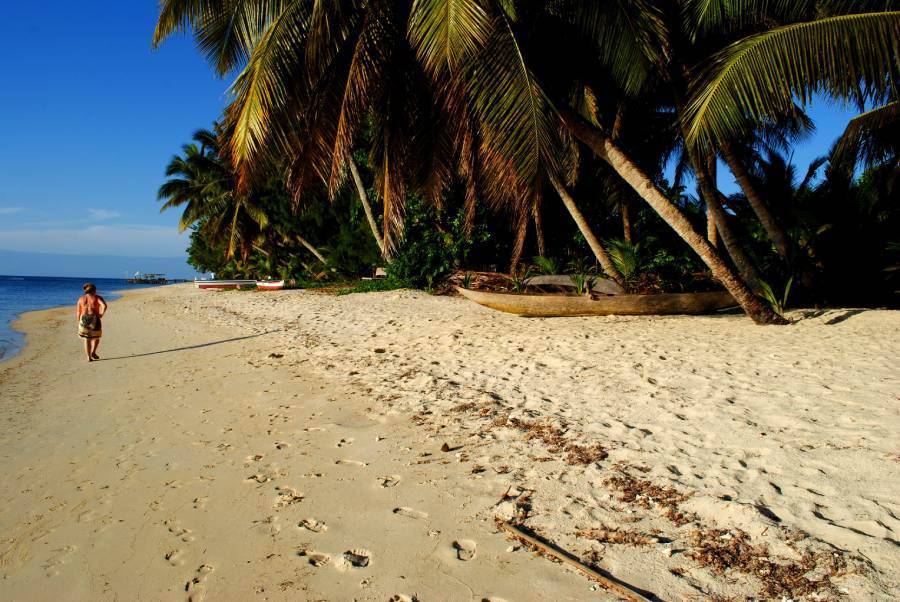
column 187, row 347
column 840, row 315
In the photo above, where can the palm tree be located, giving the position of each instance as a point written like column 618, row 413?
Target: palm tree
column 454, row 88
column 202, row 185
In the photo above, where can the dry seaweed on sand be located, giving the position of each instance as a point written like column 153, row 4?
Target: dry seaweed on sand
column 614, row 535
column 644, row 493
column 722, row 551
column 555, row 439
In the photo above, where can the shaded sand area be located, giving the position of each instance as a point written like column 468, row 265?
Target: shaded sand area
column 289, row 446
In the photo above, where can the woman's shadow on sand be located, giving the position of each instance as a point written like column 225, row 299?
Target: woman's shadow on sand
column 188, row 347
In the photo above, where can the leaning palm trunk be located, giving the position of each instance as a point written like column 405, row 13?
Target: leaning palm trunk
column 599, row 252
column 711, row 233
column 720, row 219
column 776, row 233
column 644, row 186
column 311, row 248
column 364, row 199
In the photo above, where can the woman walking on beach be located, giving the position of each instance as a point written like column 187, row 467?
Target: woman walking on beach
column 90, row 309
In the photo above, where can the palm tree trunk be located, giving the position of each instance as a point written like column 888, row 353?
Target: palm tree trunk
column 311, row 248
column 539, row 230
column 625, row 209
column 776, row 233
column 644, row 186
column 599, row 252
column 364, row 199
column 711, row 232
column 714, row 209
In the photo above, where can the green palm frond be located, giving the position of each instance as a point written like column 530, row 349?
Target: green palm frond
column 626, row 33
column 871, row 137
column 225, row 30
column 721, row 16
column 515, row 118
column 446, row 33
column 261, row 89
column 755, row 80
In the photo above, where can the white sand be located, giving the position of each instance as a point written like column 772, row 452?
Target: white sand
column 785, row 436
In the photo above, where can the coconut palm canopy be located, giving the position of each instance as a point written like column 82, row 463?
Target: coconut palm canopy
column 502, row 103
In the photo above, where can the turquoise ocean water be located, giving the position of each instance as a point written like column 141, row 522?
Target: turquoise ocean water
column 26, row 293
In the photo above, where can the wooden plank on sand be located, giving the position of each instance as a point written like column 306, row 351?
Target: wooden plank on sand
column 608, row 581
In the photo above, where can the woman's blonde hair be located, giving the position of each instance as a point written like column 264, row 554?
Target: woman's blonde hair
column 89, row 288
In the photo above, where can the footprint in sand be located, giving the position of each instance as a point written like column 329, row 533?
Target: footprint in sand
column 356, row 558
column 390, row 480
column 351, row 463
column 345, row 442
column 259, row 478
column 178, row 531
column 465, row 549
column 411, row 513
column 200, row 502
column 173, row 557
column 60, row 557
column 403, row 598
column 195, row 585
column 254, row 458
column 268, row 526
column 282, row 445
column 311, row 524
column 315, row 558
column 287, row 496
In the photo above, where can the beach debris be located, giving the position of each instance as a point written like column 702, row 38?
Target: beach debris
column 311, row 524
column 554, row 437
column 619, row 536
column 358, row 557
column 645, row 494
column 505, row 511
column 410, row 512
column 390, row 480
column 724, row 551
column 445, row 448
column 547, row 549
column 465, row 549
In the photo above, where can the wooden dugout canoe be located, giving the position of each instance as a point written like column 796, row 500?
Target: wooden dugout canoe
column 549, row 306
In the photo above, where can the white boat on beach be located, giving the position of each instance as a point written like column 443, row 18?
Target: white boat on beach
column 222, row 284
column 270, row 285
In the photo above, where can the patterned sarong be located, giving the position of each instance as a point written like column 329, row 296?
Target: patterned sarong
column 89, row 327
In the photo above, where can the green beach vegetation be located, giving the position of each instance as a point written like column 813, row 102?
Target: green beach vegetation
column 429, row 136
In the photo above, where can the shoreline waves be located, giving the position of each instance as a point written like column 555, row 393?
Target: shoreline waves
column 294, row 444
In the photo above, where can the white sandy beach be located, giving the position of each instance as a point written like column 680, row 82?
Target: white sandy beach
column 691, row 457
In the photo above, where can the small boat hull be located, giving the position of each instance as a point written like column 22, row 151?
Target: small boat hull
column 221, row 285
column 270, row 285
column 549, row 306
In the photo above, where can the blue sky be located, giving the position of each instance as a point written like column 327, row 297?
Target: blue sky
column 91, row 115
